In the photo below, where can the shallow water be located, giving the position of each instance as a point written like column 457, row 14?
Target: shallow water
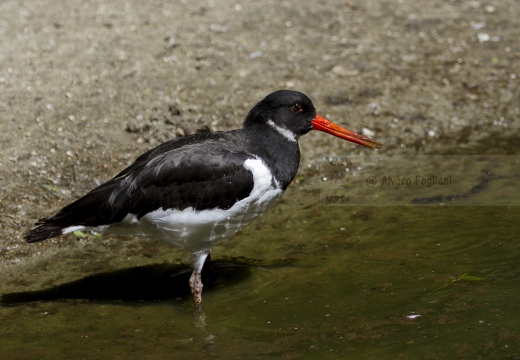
column 304, row 281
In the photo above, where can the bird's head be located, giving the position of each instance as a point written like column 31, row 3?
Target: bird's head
column 293, row 114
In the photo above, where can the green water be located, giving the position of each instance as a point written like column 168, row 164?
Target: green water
column 316, row 291
column 304, row 282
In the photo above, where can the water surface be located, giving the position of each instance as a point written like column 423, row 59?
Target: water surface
column 304, row 281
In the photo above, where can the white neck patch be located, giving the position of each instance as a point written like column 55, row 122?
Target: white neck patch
column 287, row 133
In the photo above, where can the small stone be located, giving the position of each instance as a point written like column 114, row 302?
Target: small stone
column 474, row 4
column 478, row 25
column 375, row 107
column 368, row 132
column 490, row 9
column 171, row 42
column 483, row 37
column 341, row 71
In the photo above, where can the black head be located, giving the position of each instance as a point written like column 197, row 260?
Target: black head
column 292, row 114
column 286, row 109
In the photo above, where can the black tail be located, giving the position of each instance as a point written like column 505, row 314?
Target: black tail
column 89, row 210
column 43, row 231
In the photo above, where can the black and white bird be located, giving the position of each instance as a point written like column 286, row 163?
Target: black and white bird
column 196, row 191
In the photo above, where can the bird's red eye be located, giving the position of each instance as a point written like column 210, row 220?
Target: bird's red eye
column 297, row 108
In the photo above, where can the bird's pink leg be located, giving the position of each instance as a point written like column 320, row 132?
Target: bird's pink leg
column 195, row 278
column 196, row 287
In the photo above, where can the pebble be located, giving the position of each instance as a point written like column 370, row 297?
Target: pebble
column 180, row 132
column 368, row 132
column 375, row 107
column 490, row 9
column 340, row 70
column 483, row 37
column 478, row 25
column 171, row 42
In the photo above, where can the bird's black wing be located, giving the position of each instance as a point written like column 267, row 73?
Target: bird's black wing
column 201, row 172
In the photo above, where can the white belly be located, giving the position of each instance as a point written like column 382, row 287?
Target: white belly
column 197, row 231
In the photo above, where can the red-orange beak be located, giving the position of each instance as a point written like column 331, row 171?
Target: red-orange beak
column 322, row 124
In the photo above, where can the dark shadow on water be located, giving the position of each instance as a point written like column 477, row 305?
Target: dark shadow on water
column 144, row 283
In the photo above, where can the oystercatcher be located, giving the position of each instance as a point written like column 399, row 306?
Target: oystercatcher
column 195, row 191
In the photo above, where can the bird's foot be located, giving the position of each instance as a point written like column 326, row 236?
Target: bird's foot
column 196, row 288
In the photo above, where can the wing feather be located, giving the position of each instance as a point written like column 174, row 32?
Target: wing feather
column 204, row 173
